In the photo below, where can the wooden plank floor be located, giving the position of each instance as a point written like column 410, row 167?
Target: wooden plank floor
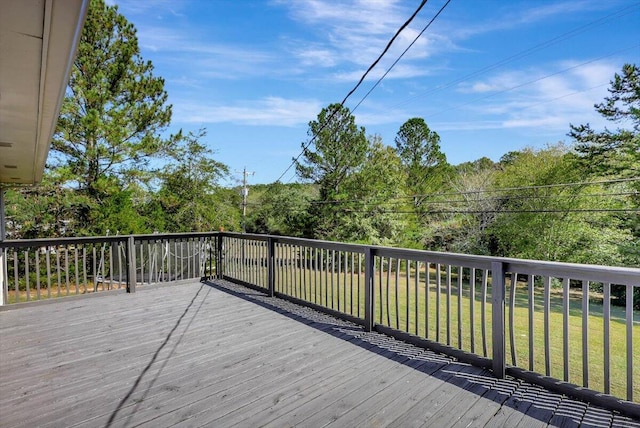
column 222, row 355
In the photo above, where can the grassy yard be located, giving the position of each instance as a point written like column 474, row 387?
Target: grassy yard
column 402, row 304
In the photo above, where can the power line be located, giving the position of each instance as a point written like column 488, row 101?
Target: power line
column 522, row 54
column 586, row 210
column 401, row 55
column 395, row 36
column 498, row 190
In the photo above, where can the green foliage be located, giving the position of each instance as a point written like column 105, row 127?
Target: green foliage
column 339, row 150
column 538, row 220
column 370, row 216
column 112, row 115
column 281, row 209
column 617, row 152
column 189, row 194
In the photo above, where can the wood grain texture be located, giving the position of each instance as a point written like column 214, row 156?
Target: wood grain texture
column 218, row 354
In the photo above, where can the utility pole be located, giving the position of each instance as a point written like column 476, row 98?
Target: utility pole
column 245, row 193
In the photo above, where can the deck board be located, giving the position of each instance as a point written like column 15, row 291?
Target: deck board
column 218, row 354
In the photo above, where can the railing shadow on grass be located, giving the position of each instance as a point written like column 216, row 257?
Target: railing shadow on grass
column 532, row 400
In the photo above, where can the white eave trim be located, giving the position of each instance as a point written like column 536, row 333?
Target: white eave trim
column 62, row 28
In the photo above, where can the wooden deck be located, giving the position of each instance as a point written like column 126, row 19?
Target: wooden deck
column 222, row 355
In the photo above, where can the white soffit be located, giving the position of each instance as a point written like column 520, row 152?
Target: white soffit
column 38, row 40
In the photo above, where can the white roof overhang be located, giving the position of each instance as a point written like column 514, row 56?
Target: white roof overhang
column 38, row 41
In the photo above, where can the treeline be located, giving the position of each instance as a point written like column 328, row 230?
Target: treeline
column 111, row 170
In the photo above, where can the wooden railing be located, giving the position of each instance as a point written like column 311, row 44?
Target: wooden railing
column 548, row 323
column 48, row 268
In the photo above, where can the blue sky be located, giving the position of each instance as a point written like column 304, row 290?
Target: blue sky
column 488, row 76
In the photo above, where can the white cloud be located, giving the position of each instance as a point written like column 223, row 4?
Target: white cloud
column 269, row 111
column 541, row 99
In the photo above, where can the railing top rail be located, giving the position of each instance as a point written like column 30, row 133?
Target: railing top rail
column 598, row 273
column 51, row 242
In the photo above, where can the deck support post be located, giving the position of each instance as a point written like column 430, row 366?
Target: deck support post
column 271, row 265
column 368, row 289
column 497, row 318
column 3, row 258
column 131, row 265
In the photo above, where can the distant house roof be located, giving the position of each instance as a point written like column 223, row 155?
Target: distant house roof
column 38, row 40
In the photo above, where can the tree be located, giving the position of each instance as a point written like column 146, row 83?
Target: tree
column 419, row 151
column 112, row 116
column 373, row 214
column 281, row 209
column 540, row 219
column 614, row 153
column 189, row 192
column 339, row 150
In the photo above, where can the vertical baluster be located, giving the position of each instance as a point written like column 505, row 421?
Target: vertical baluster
column 416, row 300
column 460, row 279
column 472, row 308
column 352, row 269
column 585, row 334
column 84, row 268
column 190, row 258
column 175, row 259
column 306, row 274
column 531, row 285
column 565, row 328
column 59, row 277
column 16, row 285
column 380, row 277
column 323, row 264
column 397, row 293
column 344, row 282
column 110, row 266
column 37, row 256
column 94, row 270
column 141, row 263
column 512, row 308
column 407, row 294
column 294, row 256
column 449, row 303
column 339, row 261
column 119, row 250
column 629, row 314
column 388, row 299
column 547, row 340
column 333, row 274
column 26, row 274
column 359, row 275
column 606, row 327
column 66, row 268
column 427, row 284
column 483, row 308
column 438, row 290
column 48, row 262
column 76, row 266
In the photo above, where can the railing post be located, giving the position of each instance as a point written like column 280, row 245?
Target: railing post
column 220, row 256
column 131, row 265
column 3, row 259
column 497, row 318
column 368, row 289
column 271, row 267
column 3, row 278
